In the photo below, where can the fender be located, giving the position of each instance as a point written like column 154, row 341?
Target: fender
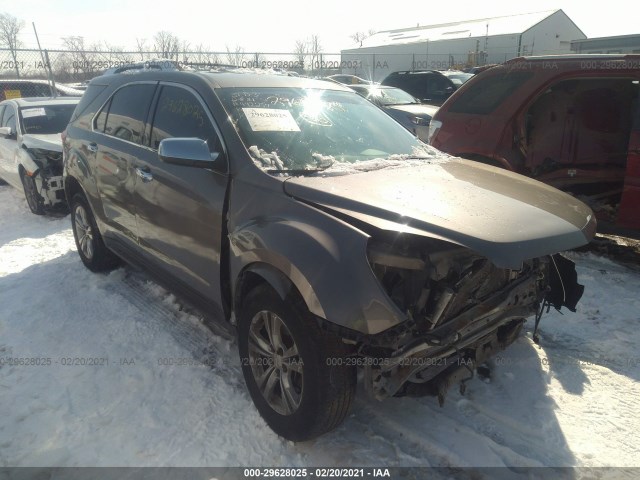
column 25, row 160
column 331, row 272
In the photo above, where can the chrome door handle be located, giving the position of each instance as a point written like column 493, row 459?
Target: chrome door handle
column 93, row 147
column 144, row 174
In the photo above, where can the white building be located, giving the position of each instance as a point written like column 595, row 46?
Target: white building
column 617, row 44
column 469, row 43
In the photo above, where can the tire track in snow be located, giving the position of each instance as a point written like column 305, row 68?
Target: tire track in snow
column 445, row 440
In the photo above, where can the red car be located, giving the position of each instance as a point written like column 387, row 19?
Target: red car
column 570, row 121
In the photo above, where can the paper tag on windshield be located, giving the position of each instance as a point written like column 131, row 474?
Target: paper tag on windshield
column 270, row 120
column 33, row 112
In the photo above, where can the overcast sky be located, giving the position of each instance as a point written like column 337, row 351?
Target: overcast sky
column 275, row 26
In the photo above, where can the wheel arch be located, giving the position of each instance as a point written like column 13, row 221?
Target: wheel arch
column 71, row 187
column 259, row 273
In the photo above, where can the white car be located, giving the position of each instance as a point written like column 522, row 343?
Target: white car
column 31, row 147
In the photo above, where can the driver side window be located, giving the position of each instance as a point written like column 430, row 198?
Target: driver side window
column 180, row 114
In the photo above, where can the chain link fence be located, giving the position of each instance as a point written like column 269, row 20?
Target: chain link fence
column 75, row 68
column 81, row 66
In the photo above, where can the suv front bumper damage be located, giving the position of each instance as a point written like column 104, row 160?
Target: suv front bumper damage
column 429, row 363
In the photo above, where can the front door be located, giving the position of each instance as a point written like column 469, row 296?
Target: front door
column 180, row 209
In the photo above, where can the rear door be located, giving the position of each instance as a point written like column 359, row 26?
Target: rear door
column 121, row 123
column 629, row 211
column 180, row 209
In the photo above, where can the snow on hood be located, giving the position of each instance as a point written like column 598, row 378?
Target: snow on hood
column 504, row 216
column 265, row 160
column 51, row 142
column 332, row 166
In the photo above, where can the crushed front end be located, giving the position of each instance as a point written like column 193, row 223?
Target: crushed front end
column 461, row 309
column 45, row 166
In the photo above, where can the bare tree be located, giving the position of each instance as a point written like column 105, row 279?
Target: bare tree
column 141, row 47
column 202, row 55
column 301, row 52
column 10, row 27
column 184, row 48
column 315, row 49
column 166, row 44
column 83, row 62
column 114, row 54
column 359, row 37
column 235, row 56
column 259, row 59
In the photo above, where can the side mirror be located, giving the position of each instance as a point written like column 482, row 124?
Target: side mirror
column 7, row 132
column 188, row 152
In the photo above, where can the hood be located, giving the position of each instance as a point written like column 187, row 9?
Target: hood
column 51, row 142
column 503, row 216
column 415, row 109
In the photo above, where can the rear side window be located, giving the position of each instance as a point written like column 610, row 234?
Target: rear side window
column 437, row 84
column 488, row 92
column 414, row 83
column 180, row 114
column 125, row 114
column 91, row 93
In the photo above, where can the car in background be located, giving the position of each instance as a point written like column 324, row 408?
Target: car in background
column 349, row 79
column 457, row 77
column 404, row 108
column 31, row 148
column 318, row 230
column 480, row 68
column 80, row 86
column 19, row 88
column 571, row 121
column 429, row 86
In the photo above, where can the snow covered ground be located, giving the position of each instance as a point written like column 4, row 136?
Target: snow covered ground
column 572, row 401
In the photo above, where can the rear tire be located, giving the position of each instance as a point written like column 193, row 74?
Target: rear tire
column 34, row 199
column 91, row 248
column 296, row 373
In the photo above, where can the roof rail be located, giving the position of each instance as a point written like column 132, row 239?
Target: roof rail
column 154, row 64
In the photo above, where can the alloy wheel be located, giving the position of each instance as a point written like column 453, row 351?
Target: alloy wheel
column 275, row 362
column 84, row 232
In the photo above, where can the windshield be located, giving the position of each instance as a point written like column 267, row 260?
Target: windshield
column 311, row 129
column 458, row 78
column 391, row 96
column 46, row 119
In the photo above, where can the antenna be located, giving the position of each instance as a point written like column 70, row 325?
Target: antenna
column 45, row 59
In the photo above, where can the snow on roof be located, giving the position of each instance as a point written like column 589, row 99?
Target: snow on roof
column 511, row 24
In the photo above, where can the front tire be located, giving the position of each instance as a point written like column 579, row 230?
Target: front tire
column 91, row 248
column 34, row 199
column 296, row 373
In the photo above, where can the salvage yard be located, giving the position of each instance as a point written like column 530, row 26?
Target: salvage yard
column 102, row 370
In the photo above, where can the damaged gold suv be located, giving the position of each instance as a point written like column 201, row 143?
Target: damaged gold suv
column 319, row 230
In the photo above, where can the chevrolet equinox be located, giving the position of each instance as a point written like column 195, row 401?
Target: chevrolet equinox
column 324, row 234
